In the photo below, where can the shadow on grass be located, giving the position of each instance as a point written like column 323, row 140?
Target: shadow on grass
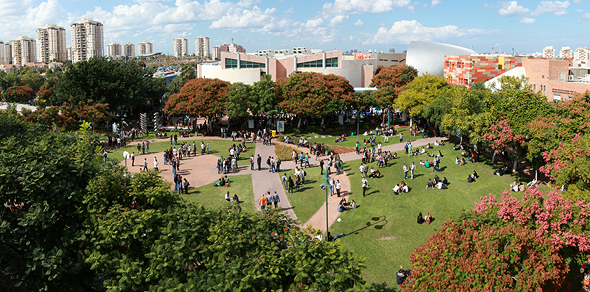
column 379, row 287
column 378, row 223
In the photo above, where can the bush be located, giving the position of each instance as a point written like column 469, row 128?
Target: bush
column 20, row 94
column 283, row 152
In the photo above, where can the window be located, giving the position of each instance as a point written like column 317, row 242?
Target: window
column 556, row 97
column 331, row 62
column 248, row 64
column 231, row 63
column 562, row 76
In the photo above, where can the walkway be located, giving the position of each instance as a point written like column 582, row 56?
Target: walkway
column 264, row 181
column 318, row 220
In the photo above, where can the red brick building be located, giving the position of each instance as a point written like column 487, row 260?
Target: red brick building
column 556, row 79
column 466, row 70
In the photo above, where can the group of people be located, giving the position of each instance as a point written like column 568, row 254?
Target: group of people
column 343, row 205
column 267, row 201
column 180, row 185
column 222, row 182
column 401, row 188
column 437, row 183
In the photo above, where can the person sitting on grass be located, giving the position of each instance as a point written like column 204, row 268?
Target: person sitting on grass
column 430, row 184
column 332, row 238
column 219, row 183
column 462, row 161
column 470, row 179
column 423, row 150
column 436, row 179
column 235, row 198
column 428, row 146
column 514, row 187
column 475, row 175
column 422, row 163
column 404, row 187
column 226, row 181
column 427, row 218
column 352, row 205
column 457, row 160
column 441, row 186
column 227, row 197
column 396, row 189
column 445, row 181
column 427, row 164
column 395, row 155
column 342, row 208
column 374, row 173
column 532, row 183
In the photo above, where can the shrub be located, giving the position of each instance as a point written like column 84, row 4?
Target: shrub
column 283, row 152
column 20, row 94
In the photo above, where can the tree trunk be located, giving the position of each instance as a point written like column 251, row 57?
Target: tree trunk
column 410, row 120
column 536, row 173
column 299, row 124
column 493, row 157
column 514, row 166
column 461, row 140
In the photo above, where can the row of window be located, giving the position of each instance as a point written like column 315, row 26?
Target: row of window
column 330, row 62
column 233, row 63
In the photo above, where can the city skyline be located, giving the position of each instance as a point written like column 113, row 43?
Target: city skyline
column 526, row 26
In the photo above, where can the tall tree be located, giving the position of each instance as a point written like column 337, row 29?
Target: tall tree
column 394, row 76
column 19, row 94
column 238, row 100
column 116, row 83
column 420, row 93
column 314, row 94
column 264, row 99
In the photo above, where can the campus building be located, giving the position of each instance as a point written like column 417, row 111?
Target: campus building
column 232, row 48
column 202, row 47
column 466, row 70
column 429, row 57
column 180, row 47
column 87, row 40
column 24, row 50
column 145, row 48
column 129, row 50
column 549, row 52
column 51, row 43
column 2, row 58
column 557, row 79
column 581, row 57
column 249, row 68
column 114, row 50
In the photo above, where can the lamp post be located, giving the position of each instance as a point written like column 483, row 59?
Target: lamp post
column 326, row 185
column 356, row 117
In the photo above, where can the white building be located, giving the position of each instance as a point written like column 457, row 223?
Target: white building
column 581, row 57
column 129, row 50
column 202, row 47
column 145, row 48
column 180, row 47
column 87, row 40
column 51, row 44
column 2, row 59
column 549, row 52
column 298, row 51
column 429, row 57
column 566, row 52
column 24, row 50
column 8, row 53
column 69, row 52
column 114, row 50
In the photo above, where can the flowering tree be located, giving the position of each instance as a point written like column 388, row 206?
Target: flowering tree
column 561, row 220
column 199, row 97
column 569, row 163
column 394, row 76
column 21, row 94
column 46, row 93
column 314, row 94
column 467, row 257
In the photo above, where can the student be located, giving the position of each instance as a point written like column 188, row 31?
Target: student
column 430, row 184
column 396, row 189
column 470, row 179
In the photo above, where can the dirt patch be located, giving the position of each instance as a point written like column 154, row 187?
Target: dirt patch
column 391, row 237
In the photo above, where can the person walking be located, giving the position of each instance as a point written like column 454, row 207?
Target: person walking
column 405, row 171
column 186, row 184
column 156, row 163
column 132, row 158
column 145, row 166
column 291, row 185
column 338, row 188
column 322, row 167
column 262, row 203
column 285, row 181
column 276, row 199
column 147, row 146
column 365, row 184
column 252, row 162
column 412, row 168
column 259, row 161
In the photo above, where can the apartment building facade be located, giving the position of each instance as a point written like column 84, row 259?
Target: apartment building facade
column 87, row 40
column 145, row 48
column 180, row 47
column 114, row 50
column 129, row 50
column 232, row 48
column 24, row 50
column 202, row 47
column 51, row 44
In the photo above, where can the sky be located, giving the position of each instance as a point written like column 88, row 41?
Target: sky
column 525, row 26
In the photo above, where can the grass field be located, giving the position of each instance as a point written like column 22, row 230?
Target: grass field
column 309, row 198
column 213, row 197
column 216, row 147
column 383, row 228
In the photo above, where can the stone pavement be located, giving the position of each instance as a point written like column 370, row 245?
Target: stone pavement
column 264, row 181
column 318, row 220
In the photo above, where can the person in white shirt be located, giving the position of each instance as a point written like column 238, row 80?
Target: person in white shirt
column 155, row 163
column 362, row 170
column 338, row 185
column 396, row 189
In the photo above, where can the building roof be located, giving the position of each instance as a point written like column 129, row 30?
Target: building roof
column 429, row 57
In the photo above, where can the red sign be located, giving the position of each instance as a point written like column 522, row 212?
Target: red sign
column 362, row 56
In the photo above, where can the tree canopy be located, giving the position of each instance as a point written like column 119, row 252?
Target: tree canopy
column 314, row 94
column 104, row 81
column 199, row 97
column 421, row 92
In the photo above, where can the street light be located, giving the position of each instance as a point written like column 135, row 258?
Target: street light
column 326, row 185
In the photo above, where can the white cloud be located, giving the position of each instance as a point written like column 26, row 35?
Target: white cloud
column 434, row 3
column 577, row 1
column 557, row 8
column 405, row 31
column 527, row 20
column 338, row 19
column 247, row 3
column 311, row 23
column 579, row 10
column 359, row 22
column 19, row 18
column 512, row 8
column 363, row 6
column 245, row 19
column 411, row 8
column 586, row 15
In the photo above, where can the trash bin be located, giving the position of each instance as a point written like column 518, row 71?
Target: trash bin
column 274, row 133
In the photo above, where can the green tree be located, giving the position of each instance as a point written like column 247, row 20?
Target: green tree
column 394, row 76
column 116, row 83
column 33, row 80
column 264, row 99
column 314, row 94
column 238, row 100
column 420, row 93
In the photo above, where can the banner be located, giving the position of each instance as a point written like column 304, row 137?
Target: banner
column 362, row 56
column 280, row 126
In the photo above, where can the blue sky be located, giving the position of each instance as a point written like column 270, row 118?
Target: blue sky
column 526, row 26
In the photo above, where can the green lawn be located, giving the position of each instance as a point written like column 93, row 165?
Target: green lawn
column 309, row 198
column 383, row 228
column 216, row 147
column 213, row 197
column 351, row 140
